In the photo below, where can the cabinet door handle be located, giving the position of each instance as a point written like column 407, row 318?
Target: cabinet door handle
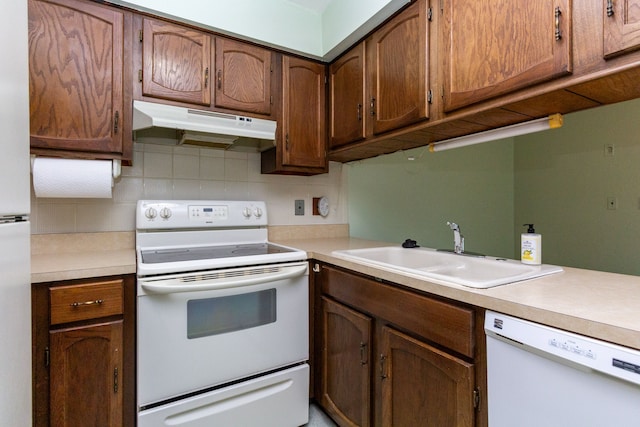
column 363, row 359
column 558, row 13
column 115, row 380
column 286, row 142
column 359, row 112
column 94, row 302
column 206, row 77
column 373, row 106
column 116, row 121
column 610, row 8
column 219, row 79
column 383, row 373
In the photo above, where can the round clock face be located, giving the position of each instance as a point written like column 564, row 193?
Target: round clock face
column 323, row 206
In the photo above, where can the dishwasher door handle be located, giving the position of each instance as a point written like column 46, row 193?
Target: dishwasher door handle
column 208, row 281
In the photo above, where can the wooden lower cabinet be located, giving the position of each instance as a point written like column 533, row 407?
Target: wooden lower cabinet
column 380, row 361
column 84, row 353
column 346, row 356
column 87, row 362
column 422, row 385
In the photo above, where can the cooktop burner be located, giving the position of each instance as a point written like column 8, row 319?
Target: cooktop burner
column 210, row 252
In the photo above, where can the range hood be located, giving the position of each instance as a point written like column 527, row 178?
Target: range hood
column 171, row 125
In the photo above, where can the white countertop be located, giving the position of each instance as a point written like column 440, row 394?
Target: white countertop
column 81, row 265
column 601, row 305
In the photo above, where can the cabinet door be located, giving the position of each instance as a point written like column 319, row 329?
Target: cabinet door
column 175, row 62
column 423, row 386
column 86, row 365
column 346, row 355
column 398, row 70
column 492, row 49
column 243, row 77
column 303, row 122
column 347, row 97
column 621, row 26
column 76, row 76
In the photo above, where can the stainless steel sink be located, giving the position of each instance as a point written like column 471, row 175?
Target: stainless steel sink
column 474, row 272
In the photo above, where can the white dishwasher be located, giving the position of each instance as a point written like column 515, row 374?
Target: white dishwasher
column 544, row 377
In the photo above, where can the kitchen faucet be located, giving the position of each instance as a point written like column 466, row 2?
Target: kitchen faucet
column 458, row 238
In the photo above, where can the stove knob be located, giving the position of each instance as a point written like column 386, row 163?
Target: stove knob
column 165, row 213
column 246, row 212
column 257, row 212
column 150, row 213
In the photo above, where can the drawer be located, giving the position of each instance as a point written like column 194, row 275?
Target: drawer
column 86, row 301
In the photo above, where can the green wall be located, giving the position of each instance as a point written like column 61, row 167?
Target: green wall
column 563, row 179
column 392, row 198
column 560, row 180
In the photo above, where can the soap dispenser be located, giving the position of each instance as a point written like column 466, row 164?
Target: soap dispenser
column 531, row 246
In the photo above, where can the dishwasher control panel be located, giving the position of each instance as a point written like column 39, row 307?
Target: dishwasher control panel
column 573, row 347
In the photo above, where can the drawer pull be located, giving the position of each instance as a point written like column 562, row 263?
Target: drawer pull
column 95, row 302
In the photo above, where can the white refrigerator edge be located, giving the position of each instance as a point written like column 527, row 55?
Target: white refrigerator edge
column 15, row 287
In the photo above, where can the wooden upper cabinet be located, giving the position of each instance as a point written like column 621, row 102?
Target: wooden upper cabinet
column 490, row 50
column 76, row 60
column 176, row 62
column 303, row 116
column 243, row 76
column 347, row 80
column 397, row 56
column 621, row 26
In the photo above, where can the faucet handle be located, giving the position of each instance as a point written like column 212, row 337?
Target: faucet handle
column 453, row 226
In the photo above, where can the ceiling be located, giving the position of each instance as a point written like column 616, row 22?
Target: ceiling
column 318, row 29
column 317, row 6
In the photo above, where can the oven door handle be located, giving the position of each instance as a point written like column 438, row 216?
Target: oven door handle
column 176, row 285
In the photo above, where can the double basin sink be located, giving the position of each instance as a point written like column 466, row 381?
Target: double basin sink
column 466, row 270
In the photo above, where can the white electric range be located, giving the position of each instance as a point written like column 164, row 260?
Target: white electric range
column 223, row 333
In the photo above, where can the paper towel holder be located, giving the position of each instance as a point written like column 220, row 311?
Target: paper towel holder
column 116, row 166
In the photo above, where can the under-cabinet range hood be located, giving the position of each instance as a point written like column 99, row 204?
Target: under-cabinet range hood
column 171, row 125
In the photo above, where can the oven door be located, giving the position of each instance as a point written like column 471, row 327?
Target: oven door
column 200, row 330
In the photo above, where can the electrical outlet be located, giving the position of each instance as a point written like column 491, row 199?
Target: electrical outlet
column 609, row 150
column 299, row 207
column 612, row 203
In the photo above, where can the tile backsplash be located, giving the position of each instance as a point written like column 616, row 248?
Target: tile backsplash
column 165, row 172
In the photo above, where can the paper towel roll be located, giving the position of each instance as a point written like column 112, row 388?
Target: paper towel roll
column 72, row 178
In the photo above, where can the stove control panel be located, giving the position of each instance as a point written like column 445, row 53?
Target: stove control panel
column 177, row 214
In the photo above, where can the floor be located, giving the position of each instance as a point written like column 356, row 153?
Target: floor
column 317, row 418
